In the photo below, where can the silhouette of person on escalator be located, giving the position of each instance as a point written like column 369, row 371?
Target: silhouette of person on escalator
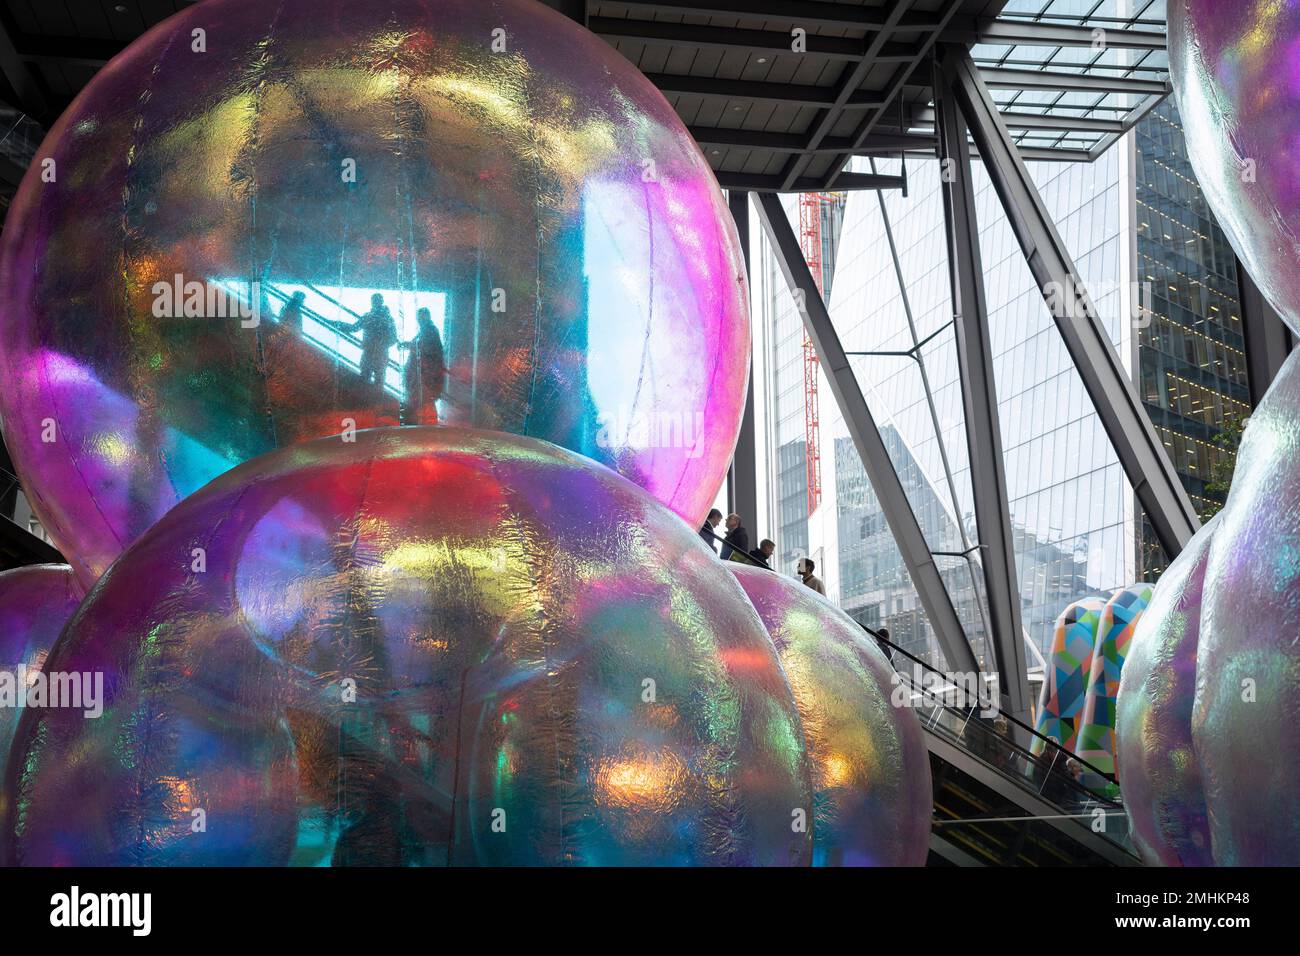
column 378, row 335
column 425, row 373
column 291, row 314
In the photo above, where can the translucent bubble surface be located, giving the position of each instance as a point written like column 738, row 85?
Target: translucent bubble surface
column 320, row 214
column 429, row 645
column 870, row 765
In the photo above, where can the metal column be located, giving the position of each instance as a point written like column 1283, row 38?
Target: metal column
column 980, row 401
column 742, row 479
column 884, row 479
column 1113, row 395
column 1268, row 339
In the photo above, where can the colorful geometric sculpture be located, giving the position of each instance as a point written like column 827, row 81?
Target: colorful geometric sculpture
column 1232, row 63
column 871, row 770
column 225, row 246
column 1060, row 706
column 1096, row 738
column 35, row 603
column 426, row 646
column 1156, row 762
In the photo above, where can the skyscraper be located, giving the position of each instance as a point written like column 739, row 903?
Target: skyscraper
column 1192, row 355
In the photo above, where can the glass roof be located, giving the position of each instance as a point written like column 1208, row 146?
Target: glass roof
column 1090, row 118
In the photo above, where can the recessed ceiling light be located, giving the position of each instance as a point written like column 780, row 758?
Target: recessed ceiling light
column 762, row 59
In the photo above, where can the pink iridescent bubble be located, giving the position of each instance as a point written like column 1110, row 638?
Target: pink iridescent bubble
column 495, row 164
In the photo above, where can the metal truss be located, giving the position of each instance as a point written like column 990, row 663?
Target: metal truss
column 903, row 525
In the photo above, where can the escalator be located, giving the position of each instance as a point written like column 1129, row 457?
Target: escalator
column 995, row 802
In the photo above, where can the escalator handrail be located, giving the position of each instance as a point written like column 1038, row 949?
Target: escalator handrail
column 328, row 323
column 745, row 555
column 1048, row 741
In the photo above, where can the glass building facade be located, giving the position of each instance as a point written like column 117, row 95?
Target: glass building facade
column 1164, row 281
column 1192, row 356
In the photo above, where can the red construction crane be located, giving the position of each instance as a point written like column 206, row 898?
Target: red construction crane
column 810, row 241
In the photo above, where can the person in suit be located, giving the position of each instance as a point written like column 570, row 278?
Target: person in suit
column 706, row 530
column 764, row 552
column 736, row 538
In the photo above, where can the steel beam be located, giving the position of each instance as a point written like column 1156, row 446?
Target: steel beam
column 894, row 88
column 744, row 462
column 845, row 89
column 1108, row 384
column 690, row 35
column 980, row 402
column 878, row 143
column 772, row 183
column 795, row 94
column 1269, row 340
column 1013, row 32
column 806, row 13
column 1048, row 121
column 1001, row 78
column 884, row 479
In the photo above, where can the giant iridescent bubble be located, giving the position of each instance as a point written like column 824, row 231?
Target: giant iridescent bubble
column 493, row 163
column 1155, row 759
column 1246, row 718
column 1230, row 742
column 35, row 603
column 1236, row 75
column 870, row 765
column 426, row 646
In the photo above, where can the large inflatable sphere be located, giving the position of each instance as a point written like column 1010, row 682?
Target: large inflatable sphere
column 1211, row 768
column 268, row 222
column 1155, row 758
column 35, row 603
column 1244, row 723
column 870, row 766
column 1232, row 63
column 425, row 646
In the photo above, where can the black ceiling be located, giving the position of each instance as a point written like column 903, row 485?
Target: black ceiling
column 766, row 117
